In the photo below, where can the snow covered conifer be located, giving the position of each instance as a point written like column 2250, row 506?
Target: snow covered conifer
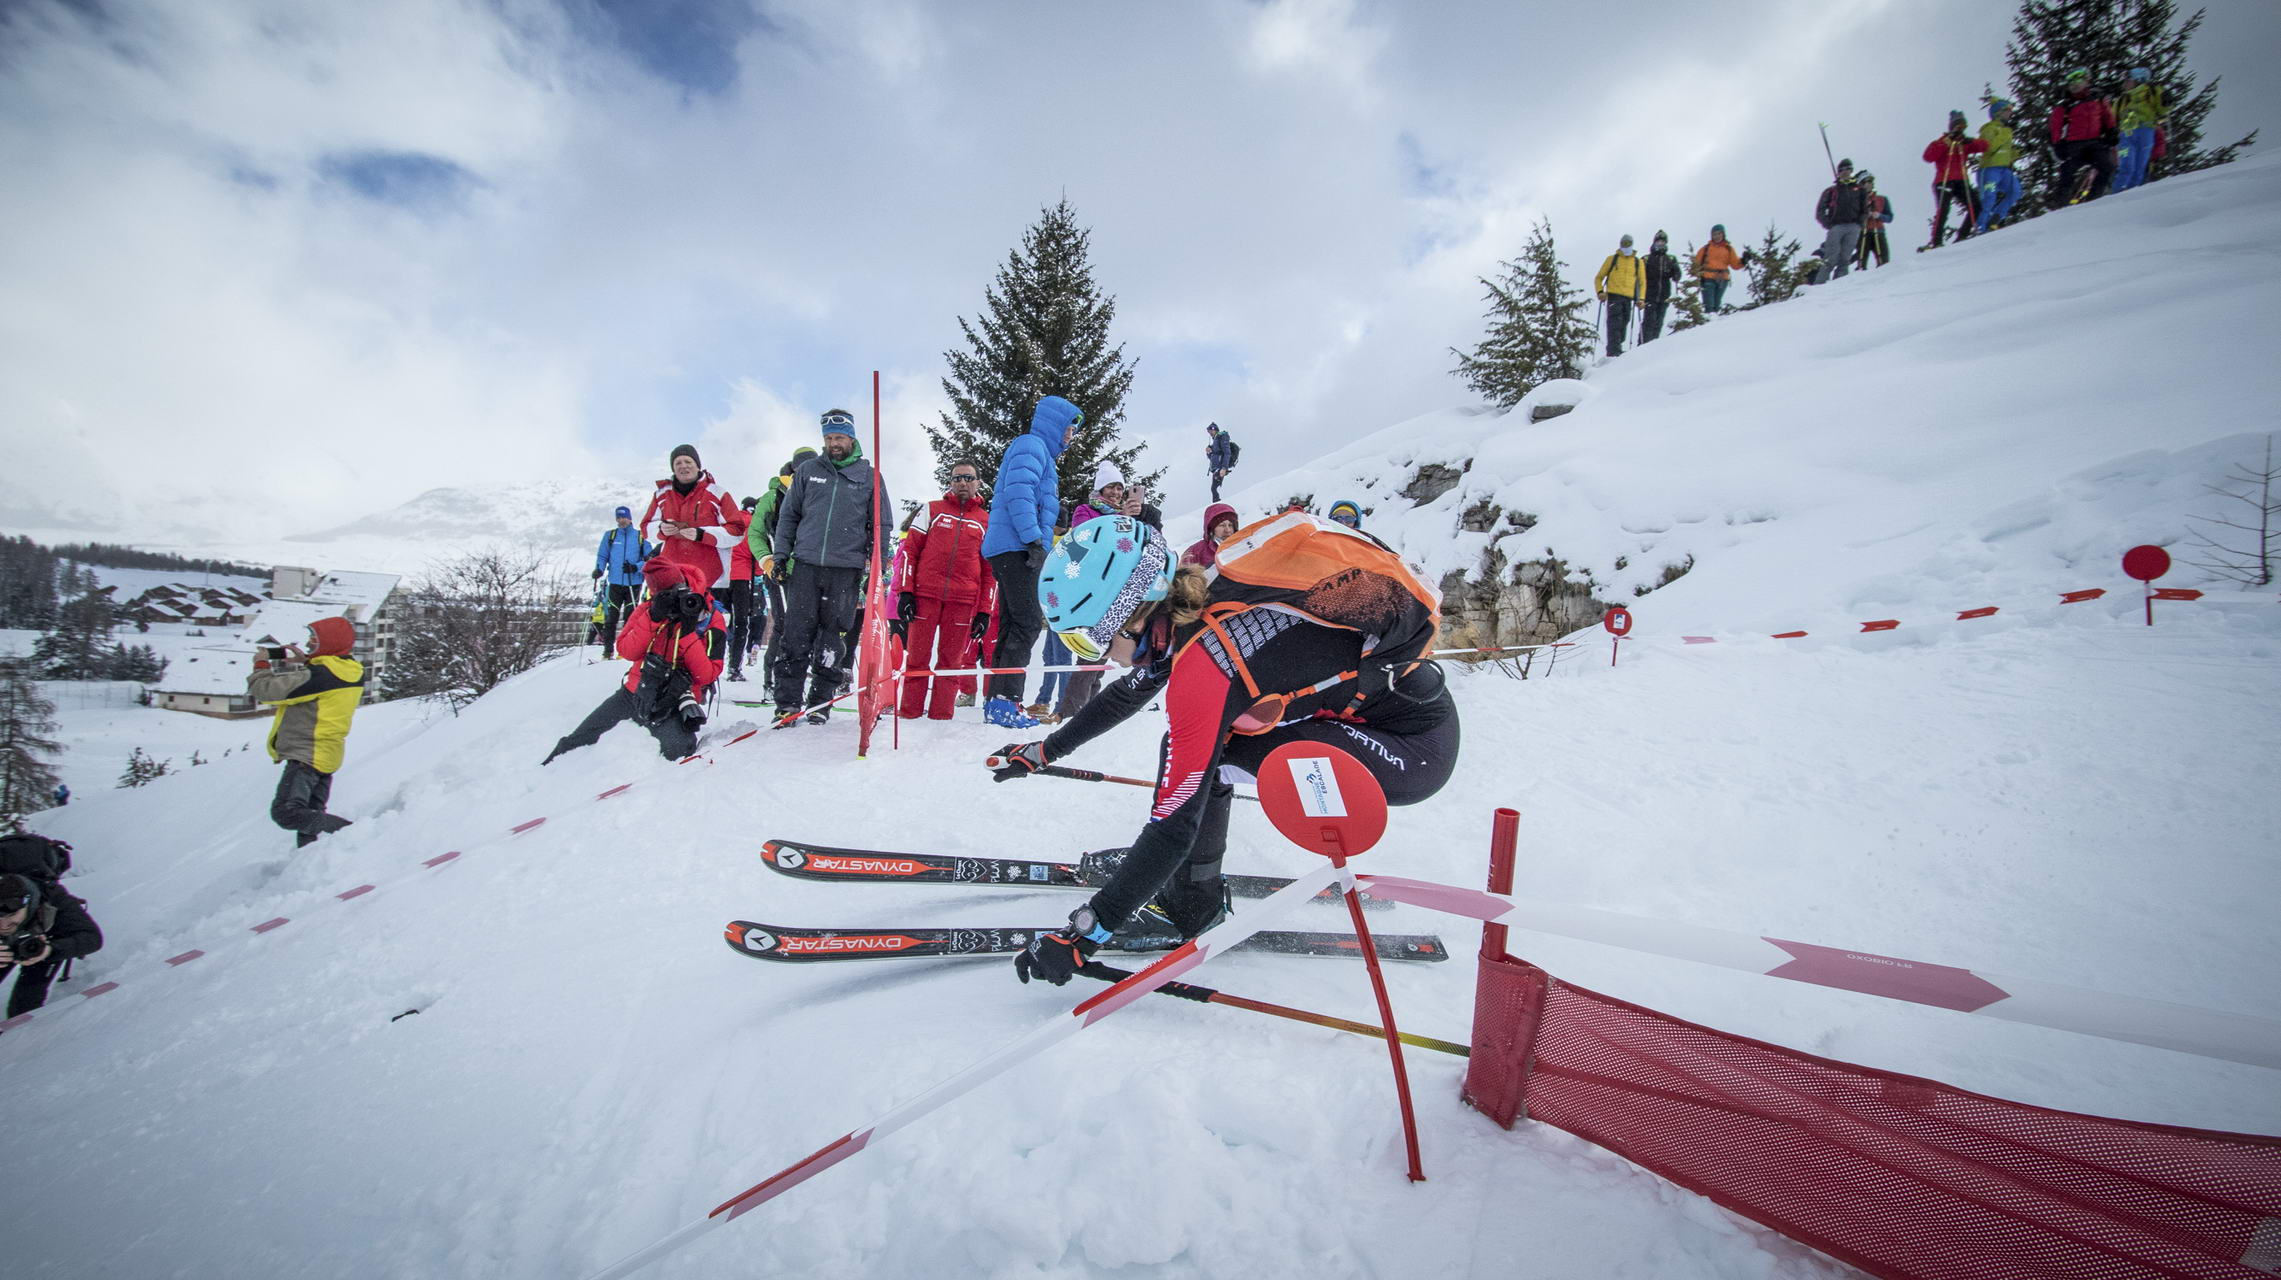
column 141, row 769
column 1538, row 330
column 1044, row 332
column 79, row 646
column 1773, row 273
column 27, row 783
column 2108, row 38
column 1687, row 300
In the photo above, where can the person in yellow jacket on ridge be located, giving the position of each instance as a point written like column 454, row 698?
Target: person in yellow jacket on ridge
column 1621, row 284
column 1999, row 183
column 2141, row 114
column 315, row 690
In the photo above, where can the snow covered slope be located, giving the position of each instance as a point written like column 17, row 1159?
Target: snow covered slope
column 2056, row 792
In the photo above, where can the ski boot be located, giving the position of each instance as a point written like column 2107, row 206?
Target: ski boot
column 1006, row 714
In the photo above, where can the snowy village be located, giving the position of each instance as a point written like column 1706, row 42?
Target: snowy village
column 1267, row 638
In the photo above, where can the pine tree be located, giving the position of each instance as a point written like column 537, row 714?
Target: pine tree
column 2107, row 38
column 1044, row 332
column 142, row 770
column 27, row 782
column 78, row 647
column 137, row 662
column 1687, row 301
column 1537, row 330
column 1773, row 276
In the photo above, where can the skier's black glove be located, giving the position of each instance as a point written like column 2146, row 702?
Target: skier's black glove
column 660, row 609
column 1033, row 555
column 1057, row 956
column 597, row 575
column 899, row 629
column 906, row 605
column 1017, row 760
column 981, row 624
column 692, row 713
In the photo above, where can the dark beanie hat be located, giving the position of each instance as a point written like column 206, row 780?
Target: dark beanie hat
column 689, row 449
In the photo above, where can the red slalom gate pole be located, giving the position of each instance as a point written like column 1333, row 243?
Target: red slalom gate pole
column 1504, row 840
column 1385, row 1004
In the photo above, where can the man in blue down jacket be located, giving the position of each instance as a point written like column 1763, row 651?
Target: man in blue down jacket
column 618, row 571
column 828, row 527
column 1025, row 503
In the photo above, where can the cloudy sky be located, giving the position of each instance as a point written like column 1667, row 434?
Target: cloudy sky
column 270, row 265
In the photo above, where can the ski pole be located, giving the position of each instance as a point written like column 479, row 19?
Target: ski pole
column 1827, row 154
column 1207, row 995
column 1085, row 775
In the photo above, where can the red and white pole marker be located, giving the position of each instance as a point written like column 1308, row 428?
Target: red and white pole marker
column 1187, row 956
column 1324, row 801
column 1618, row 621
column 2146, row 563
column 2203, row 1032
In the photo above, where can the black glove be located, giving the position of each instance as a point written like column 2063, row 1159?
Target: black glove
column 1017, row 760
column 783, row 568
column 900, row 629
column 597, row 575
column 1057, row 956
column 981, row 624
column 1033, row 555
column 692, row 714
column 906, row 605
column 660, row 609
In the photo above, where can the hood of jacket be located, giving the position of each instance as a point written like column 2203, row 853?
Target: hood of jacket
column 1213, row 513
column 1051, row 420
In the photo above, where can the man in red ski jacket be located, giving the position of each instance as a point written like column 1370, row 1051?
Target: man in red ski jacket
column 2083, row 132
column 947, row 593
column 747, row 606
column 672, row 671
column 686, row 504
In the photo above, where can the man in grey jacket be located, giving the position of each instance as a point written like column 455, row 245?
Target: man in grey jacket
column 830, row 529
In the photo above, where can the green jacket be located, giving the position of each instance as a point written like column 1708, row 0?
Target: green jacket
column 2002, row 152
column 2142, row 107
column 315, row 703
column 763, row 512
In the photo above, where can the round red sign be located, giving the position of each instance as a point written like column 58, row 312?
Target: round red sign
column 1617, row 620
column 1322, row 799
column 2146, row 563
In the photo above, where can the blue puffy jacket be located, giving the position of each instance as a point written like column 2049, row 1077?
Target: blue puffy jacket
column 620, row 556
column 1027, row 499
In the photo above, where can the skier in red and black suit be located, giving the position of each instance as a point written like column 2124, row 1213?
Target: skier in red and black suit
column 1242, row 669
column 1952, row 184
column 2083, row 132
column 672, row 672
column 686, row 504
column 947, row 592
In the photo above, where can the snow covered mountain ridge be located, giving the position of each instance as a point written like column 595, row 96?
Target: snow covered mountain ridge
column 2070, row 796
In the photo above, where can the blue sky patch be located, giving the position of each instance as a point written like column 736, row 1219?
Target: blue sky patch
column 410, row 179
column 690, row 43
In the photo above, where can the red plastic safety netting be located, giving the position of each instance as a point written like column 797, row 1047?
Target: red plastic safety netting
column 1899, row 1176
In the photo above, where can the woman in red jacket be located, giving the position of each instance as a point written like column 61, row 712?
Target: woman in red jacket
column 686, row 504
column 672, row 672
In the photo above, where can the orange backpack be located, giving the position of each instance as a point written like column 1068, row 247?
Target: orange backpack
column 1332, row 576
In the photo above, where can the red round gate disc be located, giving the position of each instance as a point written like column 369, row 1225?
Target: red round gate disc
column 2146, row 563
column 1617, row 620
column 1322, row 799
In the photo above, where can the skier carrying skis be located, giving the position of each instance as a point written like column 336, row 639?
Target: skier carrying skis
column 1309, row 632
column 1840, row 211
column 1622, row 281
column 1947, row 154
column 1999, row 185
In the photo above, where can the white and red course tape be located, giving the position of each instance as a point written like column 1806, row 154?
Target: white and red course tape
column 2203, row 1032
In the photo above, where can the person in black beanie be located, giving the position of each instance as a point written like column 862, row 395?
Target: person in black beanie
column 685, row 506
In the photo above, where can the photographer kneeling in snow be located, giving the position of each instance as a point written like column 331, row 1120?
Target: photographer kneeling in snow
column 42, row 926
column 672, row 672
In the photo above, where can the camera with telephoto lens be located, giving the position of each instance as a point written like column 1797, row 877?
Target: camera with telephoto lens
column 19, row 893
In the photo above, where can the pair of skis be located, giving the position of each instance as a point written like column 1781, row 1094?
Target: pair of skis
column 794, row 944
